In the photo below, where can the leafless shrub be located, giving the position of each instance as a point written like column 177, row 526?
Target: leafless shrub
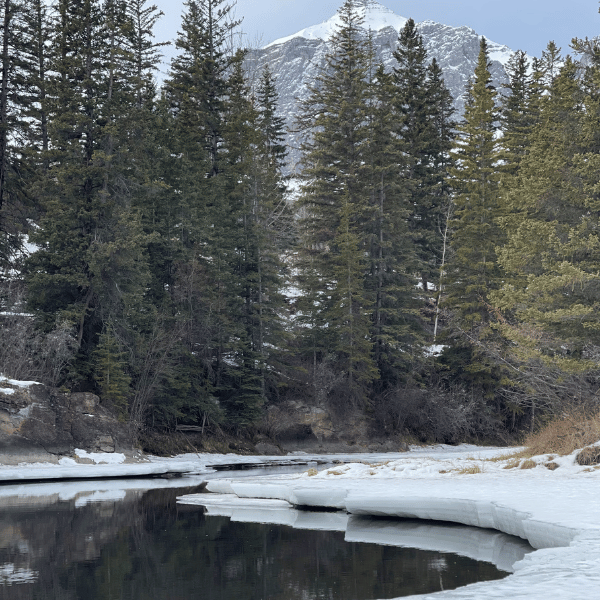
column 25, row 352
column 152, row 360
column 56, row 352
column 275, row 420
column 434, row 414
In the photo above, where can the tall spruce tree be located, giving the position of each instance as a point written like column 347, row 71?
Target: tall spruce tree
column 396, row 327
column 516, row 113
column 335, row 203
column 18, row 122
column 473, row 271
column 60, row 279
column 550, row 249
column 414, row 135
column 441, row 160
column 424, row 131
column 274, row 224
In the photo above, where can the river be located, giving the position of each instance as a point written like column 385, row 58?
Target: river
column 109, row 540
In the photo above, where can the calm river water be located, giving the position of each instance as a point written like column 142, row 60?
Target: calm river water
column 113, row 540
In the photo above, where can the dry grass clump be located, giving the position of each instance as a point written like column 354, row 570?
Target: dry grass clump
column 470, row 470
column 513, row 464
column 589, row 456
column 564, row 435
column 311, row 472
column 503, row 457
column 551, row 465
column 528, row 464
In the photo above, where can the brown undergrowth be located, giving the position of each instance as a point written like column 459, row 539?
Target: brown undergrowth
column 564, row 435
column 576, row 430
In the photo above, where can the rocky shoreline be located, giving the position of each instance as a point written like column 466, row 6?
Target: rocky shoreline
column 41, row 424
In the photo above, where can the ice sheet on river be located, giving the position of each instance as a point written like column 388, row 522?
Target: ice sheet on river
column 557, row 511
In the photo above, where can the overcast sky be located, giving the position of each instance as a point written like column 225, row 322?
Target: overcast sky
column 520, row 24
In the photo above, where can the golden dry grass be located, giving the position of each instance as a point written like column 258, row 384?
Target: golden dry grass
column 589, row 456
column 311, row 472
column 502, row 457
column 528, row 464
column 470, row 470
column 563, row 435
column 513, row 464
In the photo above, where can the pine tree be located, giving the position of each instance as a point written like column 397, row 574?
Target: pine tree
column 516, row 113
column 550, row 251
column 335, row 201
column 215, row 139
column 548, row 302
column 396, row 327
column 110, row 372
column 38, row 26
column 473, row 271
column 18, row 123
column 60, row 280
column 274, row 224
column 441, row 160
column 413, row 129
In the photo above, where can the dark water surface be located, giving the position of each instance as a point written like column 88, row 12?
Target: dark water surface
column 143, row 545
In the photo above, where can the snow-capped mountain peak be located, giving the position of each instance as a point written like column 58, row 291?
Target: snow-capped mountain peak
column 376, row 17
column 298, row 59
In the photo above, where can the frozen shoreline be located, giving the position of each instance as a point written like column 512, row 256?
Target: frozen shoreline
column 557, row 511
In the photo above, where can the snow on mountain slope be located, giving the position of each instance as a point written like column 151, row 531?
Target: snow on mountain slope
column 297, row 59
column 376, row 17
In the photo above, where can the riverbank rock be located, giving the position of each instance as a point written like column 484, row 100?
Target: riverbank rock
column 38, row 423
column 314, row 429
column 267, row 449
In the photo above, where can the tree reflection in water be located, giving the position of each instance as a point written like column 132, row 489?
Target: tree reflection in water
column 145, row 546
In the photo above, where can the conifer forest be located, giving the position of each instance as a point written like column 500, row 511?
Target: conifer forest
column 438, row 274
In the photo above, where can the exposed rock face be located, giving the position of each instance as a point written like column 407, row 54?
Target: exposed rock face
column 37, row 421
column 296, row 60
column 302, row 427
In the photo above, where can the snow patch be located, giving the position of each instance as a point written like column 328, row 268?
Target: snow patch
column 16, row 383
column 556, row 511
column 111, row 458
column 376, row 17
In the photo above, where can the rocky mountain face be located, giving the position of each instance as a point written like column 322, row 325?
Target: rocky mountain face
column 295, row 60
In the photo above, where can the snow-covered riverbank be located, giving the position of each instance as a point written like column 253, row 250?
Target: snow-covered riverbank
column 555, row 505
column 556, row 509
